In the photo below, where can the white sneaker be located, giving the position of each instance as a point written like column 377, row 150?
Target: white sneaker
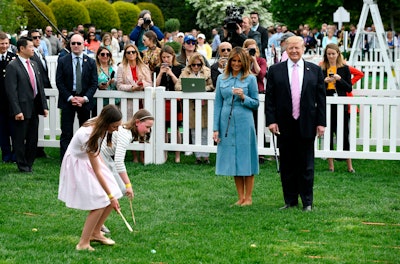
column 188, row 153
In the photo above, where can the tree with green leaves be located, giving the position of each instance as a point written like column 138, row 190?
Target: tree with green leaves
column 12, row 16
column 182, row 10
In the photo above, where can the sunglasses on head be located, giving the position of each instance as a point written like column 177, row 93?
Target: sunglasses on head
column 76, row 43
column 228, row 50
column 196, row 65
column 105, row 54
column 190, row 42
column 131, row 52
column 36, row 37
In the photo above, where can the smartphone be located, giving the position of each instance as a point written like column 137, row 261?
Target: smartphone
column 103, row 83
column 165, row 65
column 331, row 74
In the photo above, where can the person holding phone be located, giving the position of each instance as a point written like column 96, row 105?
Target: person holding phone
column 337, row 83
column 168, row 72
column 236, row 98
column 106, row 73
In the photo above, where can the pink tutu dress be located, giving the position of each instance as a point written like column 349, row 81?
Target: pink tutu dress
column 79, row 187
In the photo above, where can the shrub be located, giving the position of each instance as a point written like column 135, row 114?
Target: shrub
column 35, row 19
column 172, row 25
column 175, row 45
column 102, row 14
column 128, row 14
column 156, row 14
column 69, row 13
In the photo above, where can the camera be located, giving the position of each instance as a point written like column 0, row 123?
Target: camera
column 252, row 52
column 233, row 17
column 146, row 21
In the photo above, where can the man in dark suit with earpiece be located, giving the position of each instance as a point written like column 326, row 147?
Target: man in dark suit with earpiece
column 295, row 109
column 76, row 80
column 6, row 121
column 25, row 93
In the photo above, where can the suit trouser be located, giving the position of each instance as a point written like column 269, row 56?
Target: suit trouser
column 67, row 125
column 25, row 140
column 296, row 167
column 6, row 136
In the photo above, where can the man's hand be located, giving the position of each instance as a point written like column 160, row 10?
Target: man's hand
column 19, row 116
column 274, row 129
column 320, row 131
column 46, row 113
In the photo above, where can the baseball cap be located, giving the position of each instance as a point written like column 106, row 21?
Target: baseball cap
column 180, row 34
column 201, row 36
column 189, row 37
column 285, row 36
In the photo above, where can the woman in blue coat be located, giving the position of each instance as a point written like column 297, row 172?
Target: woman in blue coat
column 236, row 98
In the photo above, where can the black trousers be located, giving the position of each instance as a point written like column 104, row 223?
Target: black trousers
column 25, row 141
column 67, row 125
column 297, row 166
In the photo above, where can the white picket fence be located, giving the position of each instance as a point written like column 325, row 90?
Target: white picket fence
column 374, row 131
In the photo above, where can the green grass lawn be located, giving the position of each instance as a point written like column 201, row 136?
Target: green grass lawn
column 183, row 212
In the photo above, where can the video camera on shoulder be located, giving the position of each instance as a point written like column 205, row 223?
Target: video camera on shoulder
column 233, row 17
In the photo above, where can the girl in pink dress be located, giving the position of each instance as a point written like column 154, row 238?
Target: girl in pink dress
column 86, row 183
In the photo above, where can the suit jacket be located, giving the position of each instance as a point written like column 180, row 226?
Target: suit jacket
column 20, row 92
column 4, row 105
column 278, row 99
column 43, row 71
column 125, row 78
column 264, row 39
column 65, row 80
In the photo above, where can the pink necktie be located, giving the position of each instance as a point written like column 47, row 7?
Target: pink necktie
column 295, row 92
column 31, row 77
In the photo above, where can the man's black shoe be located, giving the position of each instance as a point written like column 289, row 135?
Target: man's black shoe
column 287, row 206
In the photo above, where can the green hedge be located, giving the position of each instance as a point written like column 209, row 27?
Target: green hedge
column 128, row 14
column 69, row 13
column 102, row 14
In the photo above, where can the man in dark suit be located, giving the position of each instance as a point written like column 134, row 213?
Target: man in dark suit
column 295, row 109
column 6, row 121
column 76, row 80
column 255, row 20
column 25, row 92
column 44, row 72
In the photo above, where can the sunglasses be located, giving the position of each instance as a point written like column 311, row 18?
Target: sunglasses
column 191, row 42
column 76, row 43
column 223, row 50
column 105, row 54
column 130, row 52
column 196, row 65
column 36, row 37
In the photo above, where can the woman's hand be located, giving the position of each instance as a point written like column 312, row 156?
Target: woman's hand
column 103, row 85
column 115, row 204
column 216, row 137
column 129, row 193
column 238, row 92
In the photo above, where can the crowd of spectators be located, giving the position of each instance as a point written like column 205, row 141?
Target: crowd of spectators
column 146, row 51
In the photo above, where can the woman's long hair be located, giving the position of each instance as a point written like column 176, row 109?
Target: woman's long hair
column 249, row 42
column 141, row 115
column 138, row 57
column 339, row 61
column 110, row 61
column 245, row 60
column 109, row 114
column 152, row 36
column 168, row 49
